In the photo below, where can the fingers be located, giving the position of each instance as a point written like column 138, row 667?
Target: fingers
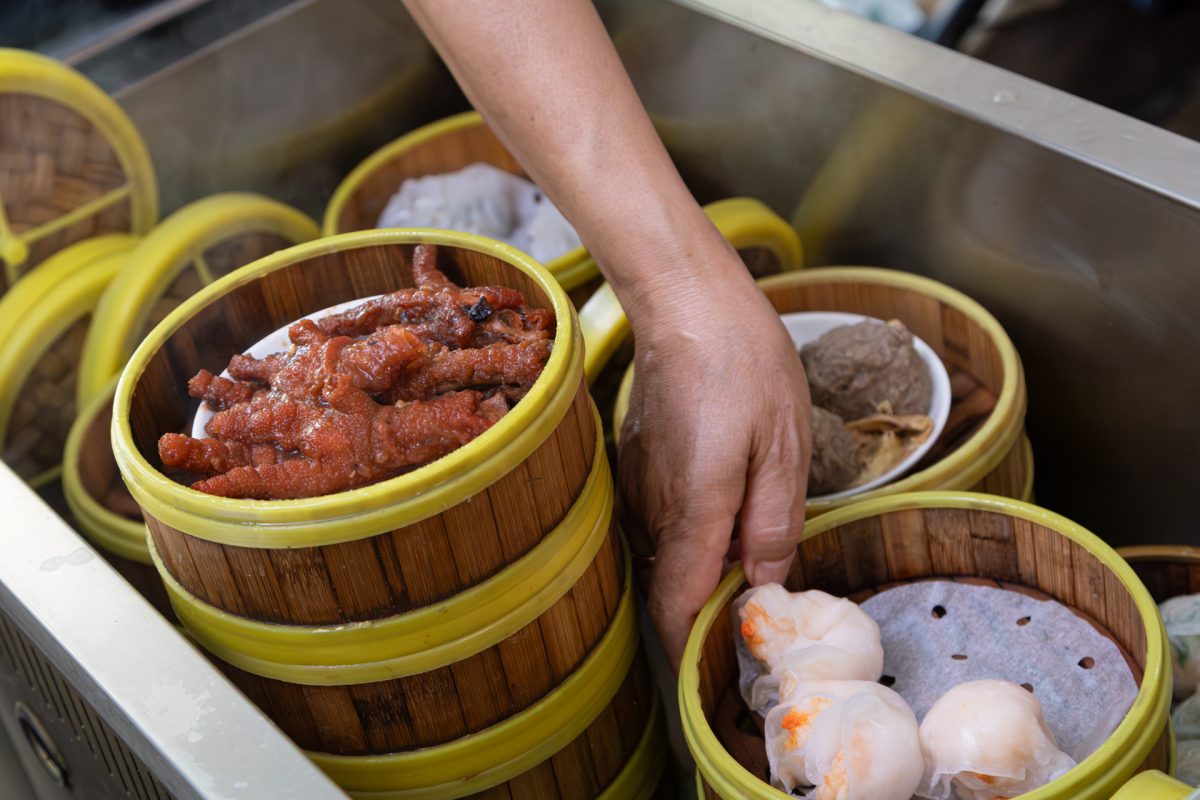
column 772, row 516
column 687, row 568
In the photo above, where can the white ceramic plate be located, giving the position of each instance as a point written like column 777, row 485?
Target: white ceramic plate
column 276, row 342
column 808, row 326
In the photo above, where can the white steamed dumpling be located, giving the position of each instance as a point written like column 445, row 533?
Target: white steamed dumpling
column 988, row 739
column 1181, row 616
column 847, row 740
column 803, row 636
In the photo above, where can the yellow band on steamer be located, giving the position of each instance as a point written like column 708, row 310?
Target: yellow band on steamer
column 639, row 778
column 492, row 756
column 419, row 640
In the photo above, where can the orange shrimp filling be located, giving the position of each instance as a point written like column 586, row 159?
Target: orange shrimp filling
column 798, row 720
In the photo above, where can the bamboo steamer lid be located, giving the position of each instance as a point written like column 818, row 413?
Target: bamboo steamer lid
column 44, row 322
column 72, row 166
column 199, row 243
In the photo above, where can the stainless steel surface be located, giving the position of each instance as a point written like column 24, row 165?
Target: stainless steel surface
column 1076, row 226
column 289, row 104
column 97, row 664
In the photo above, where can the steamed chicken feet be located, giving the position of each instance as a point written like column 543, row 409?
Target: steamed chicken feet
column 319, row 418
column 351, row 442
column 373, row 364
column 514, row 367
column 440, row 311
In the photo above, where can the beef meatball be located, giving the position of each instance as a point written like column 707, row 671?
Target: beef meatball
column 834, row 454
column 858, row 370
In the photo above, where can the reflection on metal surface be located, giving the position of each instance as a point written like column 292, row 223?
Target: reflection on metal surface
column 289, row 105
column 1076, row 226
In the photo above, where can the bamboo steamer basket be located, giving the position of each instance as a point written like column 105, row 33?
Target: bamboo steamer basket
column 451, row 144
column 1168, row 571
column 388, row 629
column 870, row 545
column 44, row 321
column 446, row 145
column 991, row 453
column 72, row 166
column 199, row 243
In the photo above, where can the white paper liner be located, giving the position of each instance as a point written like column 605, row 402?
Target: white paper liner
column 487, row 201
column 1008, row 636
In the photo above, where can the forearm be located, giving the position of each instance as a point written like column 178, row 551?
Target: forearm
column 547, row 79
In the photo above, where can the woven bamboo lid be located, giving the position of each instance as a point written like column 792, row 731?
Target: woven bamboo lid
column 72, row 165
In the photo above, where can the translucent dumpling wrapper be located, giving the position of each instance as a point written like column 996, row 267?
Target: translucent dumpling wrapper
column 988, row 739
column 1181, row 615
column 486, row 201
column 844, row 740
column 1186, row 718
column 801, row 636
column 1187, row 768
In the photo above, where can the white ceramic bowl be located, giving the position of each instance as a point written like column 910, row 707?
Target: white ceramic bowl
column 276, row 342
column 808, row 326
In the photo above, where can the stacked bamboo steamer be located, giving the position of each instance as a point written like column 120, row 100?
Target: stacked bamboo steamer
column 872, row 545
column 465, row 629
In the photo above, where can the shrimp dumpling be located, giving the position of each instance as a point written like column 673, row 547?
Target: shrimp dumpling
column 811, row 635
column 1181, row 615
column 847, row 740
column 988, row 739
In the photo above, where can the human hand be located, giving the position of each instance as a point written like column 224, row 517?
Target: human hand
column 716, row 440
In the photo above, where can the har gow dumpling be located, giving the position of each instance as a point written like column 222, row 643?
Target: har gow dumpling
column 847, row 740
column 988, row 739
column 1181, row 616
column 802, row 636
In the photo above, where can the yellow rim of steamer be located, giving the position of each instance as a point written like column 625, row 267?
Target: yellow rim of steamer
column 1097, row 776
column 415, row 641
column 492, row 756
column 108, row 530
column 384, row 506
column 42, row 325
column 24, row 72
column 175, row 244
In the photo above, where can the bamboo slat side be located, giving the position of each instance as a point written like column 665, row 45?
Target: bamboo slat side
column 45, row 407
column 52, row 160
column 455, row 700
